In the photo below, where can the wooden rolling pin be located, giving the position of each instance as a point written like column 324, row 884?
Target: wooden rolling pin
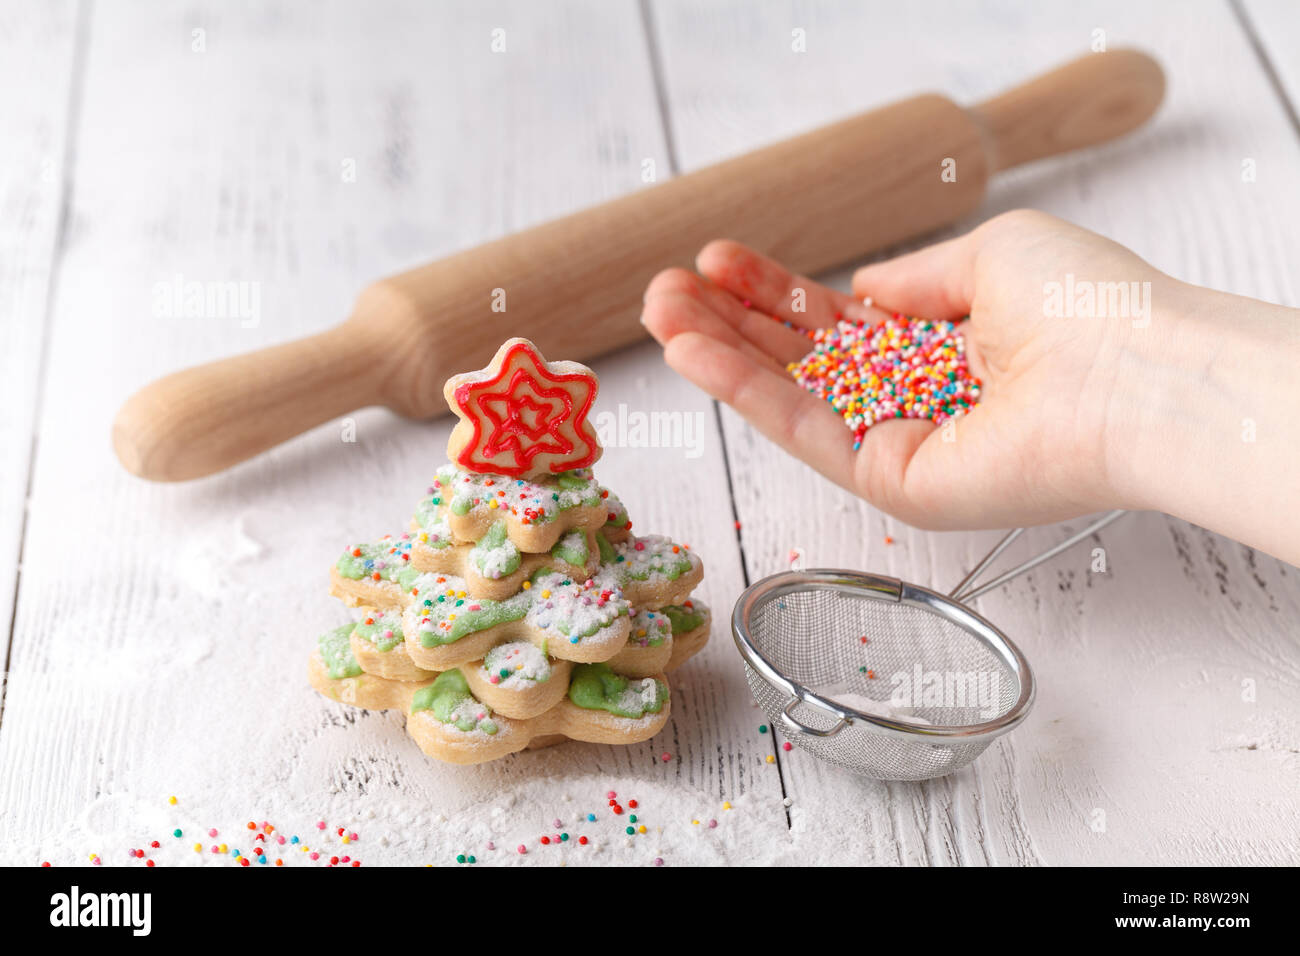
column 574, row 285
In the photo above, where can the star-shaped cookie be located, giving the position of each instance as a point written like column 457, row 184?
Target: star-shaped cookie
column 523, row 416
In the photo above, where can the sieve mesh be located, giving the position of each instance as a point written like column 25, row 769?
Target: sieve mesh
column 946, row 672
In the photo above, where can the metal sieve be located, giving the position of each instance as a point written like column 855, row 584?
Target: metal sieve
column 805, row 635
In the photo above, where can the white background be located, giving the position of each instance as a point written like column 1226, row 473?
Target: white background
column 159, row 633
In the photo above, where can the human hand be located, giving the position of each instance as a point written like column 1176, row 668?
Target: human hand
column 1077, row 413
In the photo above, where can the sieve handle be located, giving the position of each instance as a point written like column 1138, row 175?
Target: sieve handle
column 967, row 589
column 793, row 724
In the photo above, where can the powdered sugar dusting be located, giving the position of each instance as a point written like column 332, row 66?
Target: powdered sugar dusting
column 516, row 662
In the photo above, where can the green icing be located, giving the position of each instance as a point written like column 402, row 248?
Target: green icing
column 428, row 516
column 442, row 696
column 617, row 514
column 575, row 633
column 570, row 481
column 444, row 493
column 354, row 566
column 387, row 557
column 573, row 609
column 572, row 548
column 385, row 633
column 495, row 555
column 449, row 700
column 654, row 556
column 538, row 500
column 683, row 619
column 426, row 510
column 596, row 687
column 441, row 614
column 337, row 653
column 471, row 615
column 649, row 628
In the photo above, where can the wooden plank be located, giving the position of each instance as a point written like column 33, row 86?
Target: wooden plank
column 162, row 632
column 1141, row 716
column 37, row 51
column 1274, row 27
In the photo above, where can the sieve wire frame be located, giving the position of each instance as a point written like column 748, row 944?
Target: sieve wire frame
column 888, row 589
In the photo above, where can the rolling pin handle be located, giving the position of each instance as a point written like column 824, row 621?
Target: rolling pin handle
column 1086, row 102
column 205, row 419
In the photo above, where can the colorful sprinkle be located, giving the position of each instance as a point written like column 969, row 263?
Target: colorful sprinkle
column 898, row 368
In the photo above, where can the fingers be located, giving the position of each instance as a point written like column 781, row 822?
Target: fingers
column 810, row 430
column 769, row 400
column 936, row 282
column 773, row 289
column 670, row 315
column 903, row 466
column 677, row 301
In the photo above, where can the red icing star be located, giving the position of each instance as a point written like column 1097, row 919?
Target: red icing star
column 526, row 418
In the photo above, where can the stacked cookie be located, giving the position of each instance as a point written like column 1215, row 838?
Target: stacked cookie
column 519, row 609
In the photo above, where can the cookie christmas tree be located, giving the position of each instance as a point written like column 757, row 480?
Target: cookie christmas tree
column 519, row 609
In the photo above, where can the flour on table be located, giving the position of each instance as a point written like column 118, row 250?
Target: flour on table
column 684, row 827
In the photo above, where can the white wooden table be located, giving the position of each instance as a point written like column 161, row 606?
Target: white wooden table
column 157, row 635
